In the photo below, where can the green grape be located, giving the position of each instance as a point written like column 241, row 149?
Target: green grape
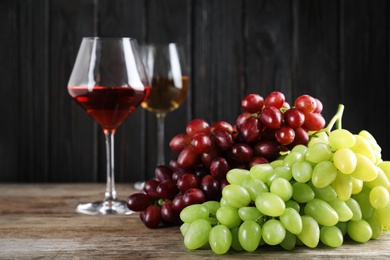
column 237, row 176
column 321, row 137
column 293, row 204
column 379, row 197
column 324, row 173
column 357, row 185
column 326, row 193
column 369, row 137
column 376, row 226
column 292, row 158
column 359, row 231
column 228, row 216
column 280, row 172
column 236, row 245
column 331, row 236
column 300, row 148
column 342, row 209
column 223, row 202
column 364, row 147
column 249, row 235
column 345, row 160
column 364, row 202
column 310, row 234
column 276, row 163
column 254, row 187
column 249, row 213
column 194, row 212
column 301, row 171
column 261, row 171
column 343, row 185
column 383, row 215
column 197, row 234
column 184, row 227
column 318, row 152
column 302, row 192
column 291, row 220
column 236, row 195
column 341, row 138
column 365, row 169
column 354, row 206
column 380, row 180
column 270, row 204
column 322, row 212
column 282, row 188
column 343, row 227
column 385, row 166
column 220, row 239
column 289, row 241
column 213, row 206
column 273, row 232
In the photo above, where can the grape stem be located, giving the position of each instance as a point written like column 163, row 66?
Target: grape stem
column 336, row 120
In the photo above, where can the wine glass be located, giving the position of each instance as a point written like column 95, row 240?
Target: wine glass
column 109, row 82
column 168, row 75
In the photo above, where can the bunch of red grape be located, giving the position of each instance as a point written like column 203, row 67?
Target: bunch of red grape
column 207, row 152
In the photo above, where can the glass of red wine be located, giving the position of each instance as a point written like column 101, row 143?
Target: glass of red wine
column 168, row 75
column 109, row 82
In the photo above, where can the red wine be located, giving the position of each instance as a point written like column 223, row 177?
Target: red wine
column 108, row 106
column 164, row 95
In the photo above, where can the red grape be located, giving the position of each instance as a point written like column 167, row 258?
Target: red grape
column 305, row 103
column 275, row 99
column 208, row 157
column 201, row 142
column 188, row 158
column 178, row 142
column 252, row 103
column 138, row 202
column 319, row 106
column 242, row 153
column 163, row 173
column 294, row 118
column 150, row 188
column 285, row 135
column 188, row 181
column 313, row 122
column 257, row 160
column 223, row 139
column 268, row 149
column 271, row 117
column 251, row 129
column 151, row 217
column 241, row 119
column 221, row 125
column 167, row 189
column 177, row 202
column 219, row 167
column 301, row 137
column 168, row 212
column 211, row 187
column 197, row 126
column 193, row 196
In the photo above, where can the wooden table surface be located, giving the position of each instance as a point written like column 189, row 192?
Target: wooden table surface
column 38, row 221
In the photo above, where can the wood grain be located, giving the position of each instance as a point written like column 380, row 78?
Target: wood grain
column 38, row 221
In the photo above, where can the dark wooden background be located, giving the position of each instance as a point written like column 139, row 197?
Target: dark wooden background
column 337, row 51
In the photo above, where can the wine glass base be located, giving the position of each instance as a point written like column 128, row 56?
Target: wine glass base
column 139, row 185
column 109, row 207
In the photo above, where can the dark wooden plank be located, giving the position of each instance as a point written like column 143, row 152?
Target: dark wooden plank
column 125, row 19
column 218, row 60
column 168, row 21
column 268, row 47
column 9, row 91
column 365, row 68
column 33, row 94
column 315, row 62
column 73, row 134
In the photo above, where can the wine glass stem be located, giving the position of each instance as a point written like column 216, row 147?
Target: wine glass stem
column 110, row 189
column 160, row 138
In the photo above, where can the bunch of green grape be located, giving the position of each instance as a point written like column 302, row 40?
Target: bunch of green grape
column 336, row 186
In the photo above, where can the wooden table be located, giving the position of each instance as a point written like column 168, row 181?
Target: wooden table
column 39, row 221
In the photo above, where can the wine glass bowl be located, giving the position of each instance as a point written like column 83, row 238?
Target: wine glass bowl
column 167, row 71
column 109, row 82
